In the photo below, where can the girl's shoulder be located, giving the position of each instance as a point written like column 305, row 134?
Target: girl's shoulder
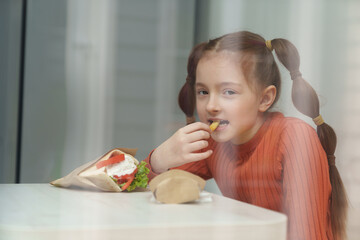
column 291, row 127
column 278, row 120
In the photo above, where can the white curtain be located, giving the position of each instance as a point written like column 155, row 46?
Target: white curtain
column 89, row 79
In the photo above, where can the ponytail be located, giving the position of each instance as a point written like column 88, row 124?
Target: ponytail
column 306, row 101
column 186, row 101
column 186, row 98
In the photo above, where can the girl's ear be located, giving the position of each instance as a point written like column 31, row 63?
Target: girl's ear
column 267, row 98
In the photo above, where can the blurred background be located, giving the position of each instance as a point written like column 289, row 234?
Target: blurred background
column 79, row 77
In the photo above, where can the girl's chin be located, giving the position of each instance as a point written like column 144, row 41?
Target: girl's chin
column 219, row 139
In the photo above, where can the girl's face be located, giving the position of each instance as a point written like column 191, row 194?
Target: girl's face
column 223, row 94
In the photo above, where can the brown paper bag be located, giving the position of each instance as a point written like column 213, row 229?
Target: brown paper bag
column 177, row 186
column 89, row 177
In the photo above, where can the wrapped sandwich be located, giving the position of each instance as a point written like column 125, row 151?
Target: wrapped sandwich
column 177, row 186
column 116, row 171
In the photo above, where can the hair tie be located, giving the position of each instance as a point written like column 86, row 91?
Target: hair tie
column 318, row 120
column 190, row 119
column 268, row 45
column 331, row 160
column 295, row 74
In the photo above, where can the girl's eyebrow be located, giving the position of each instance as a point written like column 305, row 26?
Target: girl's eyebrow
column 230, row 83
column 199, row 84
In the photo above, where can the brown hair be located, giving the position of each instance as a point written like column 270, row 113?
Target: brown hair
column 267, row 73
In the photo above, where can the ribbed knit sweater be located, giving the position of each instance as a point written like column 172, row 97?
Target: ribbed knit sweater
column 282, row 168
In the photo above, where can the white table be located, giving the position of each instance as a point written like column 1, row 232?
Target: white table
column 42, row 211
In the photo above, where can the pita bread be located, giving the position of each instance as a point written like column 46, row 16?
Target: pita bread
column 88, row 176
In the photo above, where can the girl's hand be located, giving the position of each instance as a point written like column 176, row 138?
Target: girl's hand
column 182, row 147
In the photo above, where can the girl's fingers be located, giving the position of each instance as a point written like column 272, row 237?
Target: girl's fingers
column 196, row 127
column 193, row 157
column 196, row 146
column 198, row 135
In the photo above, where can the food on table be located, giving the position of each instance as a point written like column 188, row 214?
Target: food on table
column 125, row 171
column 177, row 186
column 115, row 171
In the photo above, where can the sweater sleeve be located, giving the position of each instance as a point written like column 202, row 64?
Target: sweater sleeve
column 306, row 183
column 151, row 174
column 199, row 168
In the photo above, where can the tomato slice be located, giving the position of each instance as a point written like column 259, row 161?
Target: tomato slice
column 112, row 160
column 128, row 183
column 127, row 177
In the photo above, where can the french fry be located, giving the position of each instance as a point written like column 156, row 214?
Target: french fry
column 214, row 125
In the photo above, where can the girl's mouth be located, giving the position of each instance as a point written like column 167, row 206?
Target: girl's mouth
column 223, row 123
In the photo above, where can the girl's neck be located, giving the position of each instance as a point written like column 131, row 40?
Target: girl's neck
column 252, row 132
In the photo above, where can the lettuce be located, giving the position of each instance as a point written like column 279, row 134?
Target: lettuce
column 141, row 179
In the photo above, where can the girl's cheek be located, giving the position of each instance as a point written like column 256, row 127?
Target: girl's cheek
column 199, row 107
column 201, row 114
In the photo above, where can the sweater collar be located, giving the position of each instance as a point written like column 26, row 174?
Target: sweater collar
column 249, row 147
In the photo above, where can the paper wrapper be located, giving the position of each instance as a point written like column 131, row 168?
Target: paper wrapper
column 89, row 177
column 177, row 186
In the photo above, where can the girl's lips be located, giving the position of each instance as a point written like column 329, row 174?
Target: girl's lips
column 222, row 126
column 223, row 123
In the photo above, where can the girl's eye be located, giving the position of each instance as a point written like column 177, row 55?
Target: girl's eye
column 229, row 92
column 202, row 92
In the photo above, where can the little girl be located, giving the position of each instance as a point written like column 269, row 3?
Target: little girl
column 254, row 155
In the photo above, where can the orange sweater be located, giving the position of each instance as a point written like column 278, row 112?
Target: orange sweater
column 283, row 168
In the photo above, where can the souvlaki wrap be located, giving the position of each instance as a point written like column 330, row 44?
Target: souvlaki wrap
column 116, row 171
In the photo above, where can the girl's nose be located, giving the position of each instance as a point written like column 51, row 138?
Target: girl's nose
column 213, row 104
